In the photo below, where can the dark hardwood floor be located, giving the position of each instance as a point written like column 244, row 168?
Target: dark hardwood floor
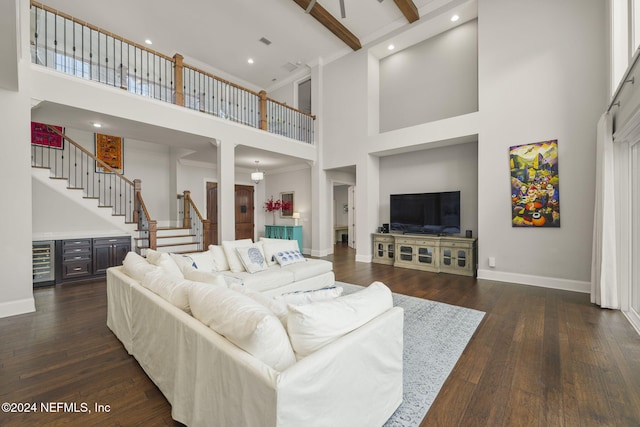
column 540, row 357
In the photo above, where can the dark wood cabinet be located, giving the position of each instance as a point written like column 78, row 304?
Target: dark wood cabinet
column 109, row 252
column 81, row 259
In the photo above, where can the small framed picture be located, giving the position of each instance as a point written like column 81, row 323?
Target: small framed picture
column 287, row 204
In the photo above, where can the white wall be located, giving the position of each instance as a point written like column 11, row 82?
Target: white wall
column 537, row 85
column 432, row 80
column 453, row 168
column 299, row 182
column 16, row 287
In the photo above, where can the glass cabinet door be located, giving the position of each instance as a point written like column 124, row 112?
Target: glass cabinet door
column 406, row 253
column 380, row 250
column 390, row 250
column 462, row 258
column 425, row 255
column 446, row 256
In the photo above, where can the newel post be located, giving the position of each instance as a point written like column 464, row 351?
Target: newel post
column 186, row 220
column 206, row 232
column 177, row 78
column 137, row 187
column 153, row 230
column 263, row 110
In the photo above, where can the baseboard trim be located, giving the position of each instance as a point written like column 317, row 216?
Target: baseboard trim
column 634, row 319
column 13, row 308
column 319, row 254
column 364, row 258
column 541, row 281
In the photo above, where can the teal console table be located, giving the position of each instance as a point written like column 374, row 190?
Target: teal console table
column 287, row 232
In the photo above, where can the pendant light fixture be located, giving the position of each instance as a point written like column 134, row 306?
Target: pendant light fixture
column 257, row 176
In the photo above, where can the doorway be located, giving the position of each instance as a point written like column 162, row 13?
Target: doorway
column 244, row 211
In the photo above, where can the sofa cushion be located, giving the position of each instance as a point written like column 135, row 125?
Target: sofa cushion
column 243, row 321
column 136, row 266
column 312, row 326
column 206, row 277
column 164, row 261
column 252, row 258
column 307, row 297
column 271, row 278
column 310, row 268
column 219, row 258
column 230, row 246
column 171, row 288
column 273, row 246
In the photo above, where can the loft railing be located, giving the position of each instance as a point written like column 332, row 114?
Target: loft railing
column 190, row 217
column 74, row 47
column 97, row 180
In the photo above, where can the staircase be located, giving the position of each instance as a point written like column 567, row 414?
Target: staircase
column 175, row 240
column 70, row 168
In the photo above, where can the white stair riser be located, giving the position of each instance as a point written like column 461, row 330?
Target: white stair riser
column 172, row 232
column 176, row 240
column 179, row 248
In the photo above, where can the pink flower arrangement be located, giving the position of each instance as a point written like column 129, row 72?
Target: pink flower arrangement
column 276, row 205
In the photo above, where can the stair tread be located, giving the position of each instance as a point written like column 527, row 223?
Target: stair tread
column 176, row 244
column 172, row 228
column 176, row 236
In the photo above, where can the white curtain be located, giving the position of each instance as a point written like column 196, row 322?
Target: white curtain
column 604, row 285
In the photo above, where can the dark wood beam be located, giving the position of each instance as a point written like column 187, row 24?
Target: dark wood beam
column 331, row 23
column 408, row 9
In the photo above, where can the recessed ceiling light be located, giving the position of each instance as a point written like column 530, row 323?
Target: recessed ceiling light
column 391, row 47
column 454, row 18
column 250, row 61
column 147, row 41
column 97, row 125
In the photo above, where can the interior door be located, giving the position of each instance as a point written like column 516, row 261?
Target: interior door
column 212, row 210
column 244, row 207
column 244, row 212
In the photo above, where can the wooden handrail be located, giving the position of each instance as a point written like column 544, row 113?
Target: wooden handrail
column 142, row 204
column 93, row 27
column 85, row 151
column 213, row 76
column 187, row 196
column 291, row 108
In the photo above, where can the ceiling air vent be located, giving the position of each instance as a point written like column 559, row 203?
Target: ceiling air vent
column 265, row 41
column 290, row 67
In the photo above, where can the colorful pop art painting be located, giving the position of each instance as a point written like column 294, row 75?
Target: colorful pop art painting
column 535, row 199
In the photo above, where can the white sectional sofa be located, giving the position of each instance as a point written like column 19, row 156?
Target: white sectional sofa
column 209, row 347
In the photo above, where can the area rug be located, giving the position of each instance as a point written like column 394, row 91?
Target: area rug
column 435, row 335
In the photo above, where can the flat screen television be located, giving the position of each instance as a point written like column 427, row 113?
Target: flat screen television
column 425, row 213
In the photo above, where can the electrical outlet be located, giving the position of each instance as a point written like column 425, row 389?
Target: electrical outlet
column 492, row 262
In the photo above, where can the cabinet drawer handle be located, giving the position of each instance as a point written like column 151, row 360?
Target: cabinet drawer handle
column 77, row 269
column 113, row 240
column 77, row 250
column 77, row 257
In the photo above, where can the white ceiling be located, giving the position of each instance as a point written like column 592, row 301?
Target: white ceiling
column 223, row 34
column 219, row 36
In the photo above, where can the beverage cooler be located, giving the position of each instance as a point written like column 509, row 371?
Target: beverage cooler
column 43, row 260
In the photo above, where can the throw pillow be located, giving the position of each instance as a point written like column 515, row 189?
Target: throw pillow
column 203, row 260
column 243, row 321
column 184, row 262
column 273, row 246
column 230, row 246
column 252, row 258
column 289, row 257
column 164, row 261
column 312, row 326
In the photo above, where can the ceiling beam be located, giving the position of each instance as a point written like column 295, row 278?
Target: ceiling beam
column 408, row 9
column 331, row 23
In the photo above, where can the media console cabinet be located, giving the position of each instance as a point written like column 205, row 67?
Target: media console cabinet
column 439, row 254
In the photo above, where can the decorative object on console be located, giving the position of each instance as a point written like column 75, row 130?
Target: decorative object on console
column 109, row 149
column 274, row 206
column 42, row 135
column 257, row 176
column 535, row 201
